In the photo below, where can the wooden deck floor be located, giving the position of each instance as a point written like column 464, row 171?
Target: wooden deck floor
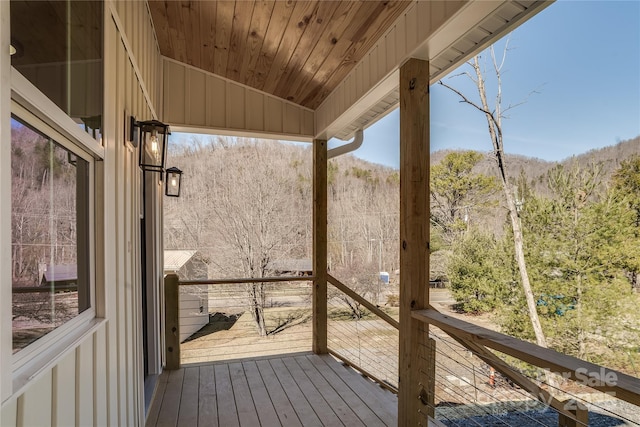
column 295, row 390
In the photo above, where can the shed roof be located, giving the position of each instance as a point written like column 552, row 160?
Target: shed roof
column 174, row 260
column 60, row 272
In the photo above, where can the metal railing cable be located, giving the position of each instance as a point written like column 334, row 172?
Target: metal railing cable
column 365, row 337
column 451, row 345
column 514, row 408
column 452, row 348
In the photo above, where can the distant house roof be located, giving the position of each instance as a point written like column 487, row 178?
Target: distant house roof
column 291, row 266
column 174, row 260
column 60, row 273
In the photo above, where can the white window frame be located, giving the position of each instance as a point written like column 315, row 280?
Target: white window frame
column 35, row 109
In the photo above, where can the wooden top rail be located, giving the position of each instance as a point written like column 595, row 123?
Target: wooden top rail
column 248, row 280
column 370, row 306
column 622, row 386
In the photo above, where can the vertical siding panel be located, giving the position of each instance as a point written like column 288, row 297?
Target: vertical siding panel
column 401, row 39
column 307, row 123
column 360, row 71
column 371, row 74
column 411, row 23
column 34, row 406
column 291, row 119
column 438, row 13
column 273, row 115
column 338, row 100
column 84, row 383
column 423, row 14
column 197, row 98
column 64, row 392
column 129, row 326
column 217, row 95
column 390, row 41
column 255, row 110
column 236, row 106
column 124, row 69
column 185, row 94
column 173, row 93
column 209, row 101
column 147, row 48
column 128, row 19
column 381, row 64
column 100, row 378
column 8, row 413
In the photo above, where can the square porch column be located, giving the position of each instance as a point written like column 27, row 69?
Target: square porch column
column 415, row 353
column 319, row 304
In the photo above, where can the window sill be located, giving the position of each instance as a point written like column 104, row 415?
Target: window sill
column 50, row 356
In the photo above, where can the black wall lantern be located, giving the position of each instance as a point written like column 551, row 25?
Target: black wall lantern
column 151, row 136
column 173, row 182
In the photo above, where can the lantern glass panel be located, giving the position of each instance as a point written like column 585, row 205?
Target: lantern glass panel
column 174, row 178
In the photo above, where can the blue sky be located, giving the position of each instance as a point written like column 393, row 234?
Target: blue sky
column 583, row 60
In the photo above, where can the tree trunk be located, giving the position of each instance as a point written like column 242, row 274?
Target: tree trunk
column 518, row 244
column 494, row 121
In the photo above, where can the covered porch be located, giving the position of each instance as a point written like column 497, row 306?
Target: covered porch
column 388, row 66
column 301, row 389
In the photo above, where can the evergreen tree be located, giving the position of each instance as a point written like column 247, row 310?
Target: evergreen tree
column 480, row 272
column 457, row 193
column 626, row 184
column 575, row 255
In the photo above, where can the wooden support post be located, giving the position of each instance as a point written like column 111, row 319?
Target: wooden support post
column 427, row 382
column 320, row 246
column 172, row 321
column 578, row 410
column 414, row 237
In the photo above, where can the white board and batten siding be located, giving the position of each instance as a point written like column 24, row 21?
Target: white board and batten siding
column 99, row 379
column 198, row 100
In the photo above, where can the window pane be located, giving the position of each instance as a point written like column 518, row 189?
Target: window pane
column 57, row 46
column 49, row 207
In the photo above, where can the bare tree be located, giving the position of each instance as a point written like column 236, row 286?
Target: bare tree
column 494, row 118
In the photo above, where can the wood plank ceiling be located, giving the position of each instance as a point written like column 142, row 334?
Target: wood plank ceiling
column 296, row 50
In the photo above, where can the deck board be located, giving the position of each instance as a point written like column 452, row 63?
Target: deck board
column 260, row 395
column 283, row 407
column 370, row 393
column 364, row 412
column 168, row 415
column 207, row 406
column 188, row 414
column 302, row 407
column 227, row 411
column 295, row 390
column 247, row 414
column 329, row 393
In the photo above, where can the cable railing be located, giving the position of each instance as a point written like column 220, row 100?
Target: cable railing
column 362, row 335
column 467, row 375
column 476, row 381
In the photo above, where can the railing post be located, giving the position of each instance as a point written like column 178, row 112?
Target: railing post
column 172, row 321
column 580, row 412
column 414, row 389
column 319, row 247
